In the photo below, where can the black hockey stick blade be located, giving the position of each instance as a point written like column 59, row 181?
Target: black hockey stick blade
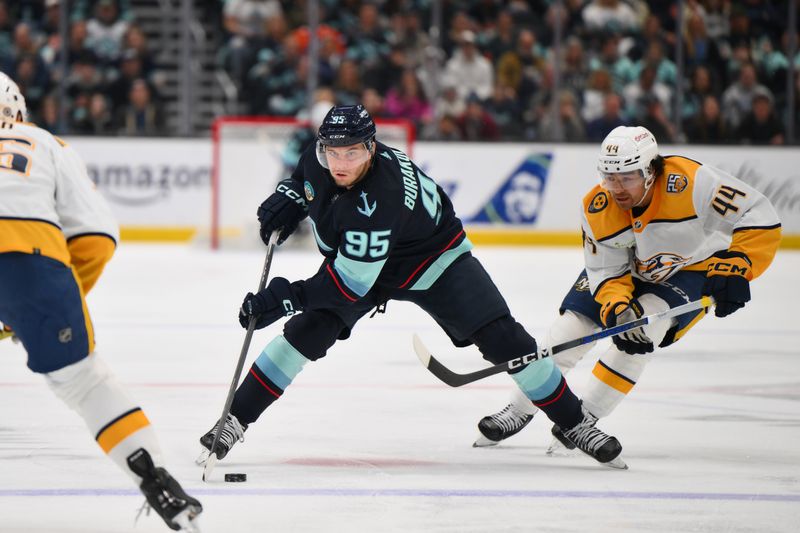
column 455, row 379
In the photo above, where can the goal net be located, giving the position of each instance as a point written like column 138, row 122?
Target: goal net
column 250, row 156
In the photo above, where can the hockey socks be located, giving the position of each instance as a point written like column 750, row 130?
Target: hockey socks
column 118, row 425
column 543, row 384
column 272, row 372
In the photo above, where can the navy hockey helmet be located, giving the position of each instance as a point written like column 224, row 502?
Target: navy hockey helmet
column 345, row 125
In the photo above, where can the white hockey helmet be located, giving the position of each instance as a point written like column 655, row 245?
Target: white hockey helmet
column 12, row 103
column 626, row 149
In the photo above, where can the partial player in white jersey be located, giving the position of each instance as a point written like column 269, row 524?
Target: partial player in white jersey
column 56, row 235
column 658, row 232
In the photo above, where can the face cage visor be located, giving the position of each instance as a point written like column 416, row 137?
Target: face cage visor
column 348, row 156
column 621, row 180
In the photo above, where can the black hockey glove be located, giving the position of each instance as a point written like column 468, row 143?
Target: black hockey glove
column 633, row 341
column 726, row 281
column 279, row 299
column 284, row 208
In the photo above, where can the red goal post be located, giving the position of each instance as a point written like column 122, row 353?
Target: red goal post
column 249, row 157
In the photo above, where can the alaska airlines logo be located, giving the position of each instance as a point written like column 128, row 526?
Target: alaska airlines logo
column 367, row 210
column 677, row 183
column 519, row 198
column 660, row 266
column 598, row 203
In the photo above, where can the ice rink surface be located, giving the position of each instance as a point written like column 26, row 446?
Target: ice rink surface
column 366, row 440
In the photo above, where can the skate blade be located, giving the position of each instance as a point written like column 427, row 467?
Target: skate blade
column 617, row 463
column 187, row 520
column 202, row 458
column 557, row 448
column 483, row 442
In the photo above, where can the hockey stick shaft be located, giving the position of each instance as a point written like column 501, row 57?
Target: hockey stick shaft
column 251, row 326
column 455, row 379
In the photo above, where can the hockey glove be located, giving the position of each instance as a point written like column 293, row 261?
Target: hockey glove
column 633, row 341
column 726, row 281
column 284, row 208
column 278, row 300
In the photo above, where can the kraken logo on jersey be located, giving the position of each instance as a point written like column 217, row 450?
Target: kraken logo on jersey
column 677, row 183
column 660, row 266
column 599, row 202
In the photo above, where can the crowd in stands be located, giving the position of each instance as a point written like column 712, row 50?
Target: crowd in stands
column 493, row 73
column 497, row 76
column 111, row 86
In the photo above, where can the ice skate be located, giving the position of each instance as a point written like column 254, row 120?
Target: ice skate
column 232, row 432
column 560, row 445
column 501, row 425
column 593, row 441
column 164, row 494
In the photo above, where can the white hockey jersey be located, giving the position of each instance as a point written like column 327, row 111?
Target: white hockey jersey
column 49, row 205
column 696, row 211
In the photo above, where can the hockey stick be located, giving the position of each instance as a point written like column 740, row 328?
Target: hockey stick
column 456, row 380
column 211, row 461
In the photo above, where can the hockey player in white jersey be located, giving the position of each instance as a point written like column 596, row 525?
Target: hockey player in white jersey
column 657, row 232
column 56, row 235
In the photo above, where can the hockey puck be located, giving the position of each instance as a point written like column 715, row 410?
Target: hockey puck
column 234, row 478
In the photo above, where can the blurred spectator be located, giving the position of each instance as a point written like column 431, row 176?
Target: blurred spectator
column 505, row 110
column 574, row 68
column 388, row 73
column 567, row 125
column 408, row 101
column 476, row 124
column 100, row 120
column 761, row 125
column 84, row 76
column 105, row 31
column 655, row 120
column 348, row 83
column 637, row 93
column 141, row 115
column 706, row 126
column 622, row 69
column 471, row 71
column 597, row 129
column 32, row 78
column 598, row 86
column 521, row 68
column 246, row 24
column 502, row 37
column 610, row 16
column 366, row 41
column 666, row 71
column 447, row 129
column 373, row 103
column 458, row 25
column 136, row 40
column 737, row 98
column 49, row 115
column 700, row 87
column 130, row 69
column 78, row 35
column 450, row 101
column 700, row 49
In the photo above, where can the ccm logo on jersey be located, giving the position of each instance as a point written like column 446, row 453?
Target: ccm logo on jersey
column 599, row 202
column 660, row 266
column 677, row 183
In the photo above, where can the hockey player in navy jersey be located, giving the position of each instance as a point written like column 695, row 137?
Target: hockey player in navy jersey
column 56, row 236
column 658, row 232
column 387, row 232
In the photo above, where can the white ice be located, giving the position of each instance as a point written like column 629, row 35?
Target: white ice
column 368, row 440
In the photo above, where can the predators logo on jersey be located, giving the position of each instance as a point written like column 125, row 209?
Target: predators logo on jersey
column 660, row 266
column 599, row 202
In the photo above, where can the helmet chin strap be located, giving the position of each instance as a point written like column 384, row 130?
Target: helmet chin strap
column 648, row 182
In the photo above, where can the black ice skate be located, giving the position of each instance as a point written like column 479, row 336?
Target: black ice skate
column 591, row 441
column 232, row 432
column 501, row 425
column 164, row 493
